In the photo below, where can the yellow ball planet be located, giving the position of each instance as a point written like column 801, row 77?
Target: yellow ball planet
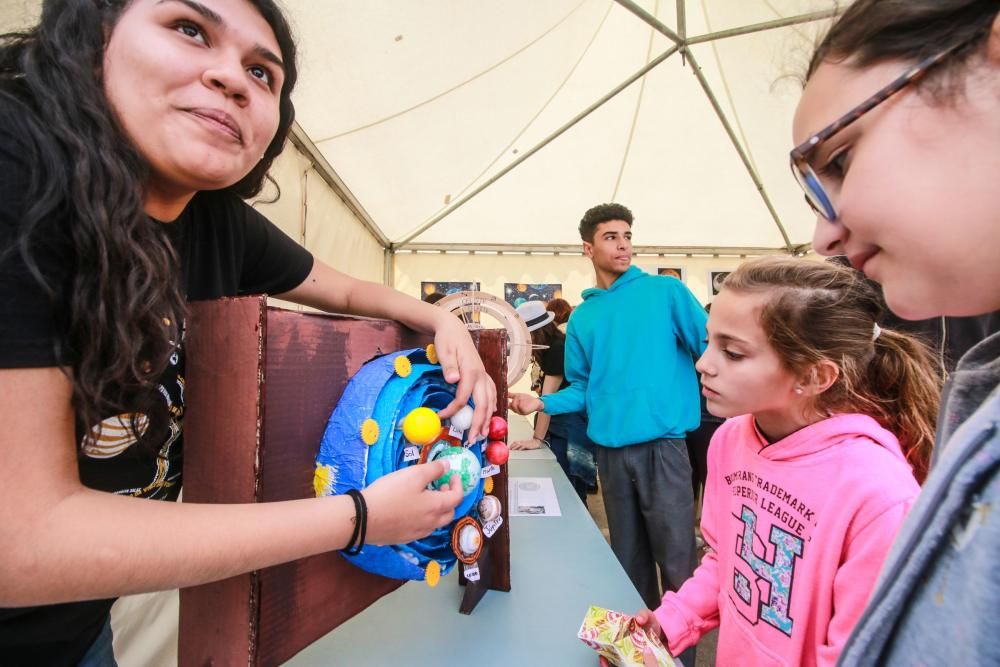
column 421, row 426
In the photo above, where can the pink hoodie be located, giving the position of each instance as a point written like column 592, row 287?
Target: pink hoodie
column 798, row 531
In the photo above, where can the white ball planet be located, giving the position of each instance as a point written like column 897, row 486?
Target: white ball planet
column 462, row 419
column 469, row 540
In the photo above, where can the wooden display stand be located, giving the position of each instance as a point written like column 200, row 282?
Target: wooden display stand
column 261, row 383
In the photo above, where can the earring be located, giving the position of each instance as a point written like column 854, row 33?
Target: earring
column 798, row 390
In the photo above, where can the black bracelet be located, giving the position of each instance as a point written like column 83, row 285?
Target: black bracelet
column 360, row 523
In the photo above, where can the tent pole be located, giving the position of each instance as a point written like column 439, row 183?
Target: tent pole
column 696, row 68
column 388, row 267
column 686, row 52
column 544, row 142
column 682, row 19
column 651, row 20
column 304, row 144
column 767, row 25
column 576, row 249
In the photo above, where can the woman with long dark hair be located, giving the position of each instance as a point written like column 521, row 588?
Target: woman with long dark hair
column 130, row 132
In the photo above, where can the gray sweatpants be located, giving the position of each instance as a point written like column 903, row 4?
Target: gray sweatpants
column 650, row 506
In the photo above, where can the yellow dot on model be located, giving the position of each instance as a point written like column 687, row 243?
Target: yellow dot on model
column 369, row 432
column 402, row 366
column 432, row 575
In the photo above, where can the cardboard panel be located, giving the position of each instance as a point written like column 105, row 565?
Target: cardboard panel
column 261, row 385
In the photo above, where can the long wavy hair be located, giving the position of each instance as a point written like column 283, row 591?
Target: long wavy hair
column 122, row 309
column 822, row 311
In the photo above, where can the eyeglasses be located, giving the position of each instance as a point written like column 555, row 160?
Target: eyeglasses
column 816, row 195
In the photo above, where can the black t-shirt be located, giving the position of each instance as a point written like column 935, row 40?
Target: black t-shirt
column 226, row 249
column 554, row 361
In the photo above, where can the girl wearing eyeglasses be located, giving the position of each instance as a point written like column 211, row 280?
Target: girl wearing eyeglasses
column 898, row 135
column 810, row 477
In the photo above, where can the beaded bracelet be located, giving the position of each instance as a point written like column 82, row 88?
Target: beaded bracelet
column 360, row 523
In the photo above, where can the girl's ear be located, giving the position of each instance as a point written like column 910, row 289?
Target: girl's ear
column 819, row 378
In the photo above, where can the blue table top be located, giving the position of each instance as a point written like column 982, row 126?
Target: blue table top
column 559, row 567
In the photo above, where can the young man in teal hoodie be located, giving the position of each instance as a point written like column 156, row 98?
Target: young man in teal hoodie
column 631, row 347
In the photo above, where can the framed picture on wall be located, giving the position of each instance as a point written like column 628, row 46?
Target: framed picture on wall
column 517, row 293
column 715, row 279
column 674, row 271
column 429, row 288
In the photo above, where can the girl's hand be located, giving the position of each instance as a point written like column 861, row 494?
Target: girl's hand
column 532, row 443
column 648, row 659
column 401, row 508
column 647, row 621
column 460, row 363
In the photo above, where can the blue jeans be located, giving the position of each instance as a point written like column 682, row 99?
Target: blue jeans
column 101, row 652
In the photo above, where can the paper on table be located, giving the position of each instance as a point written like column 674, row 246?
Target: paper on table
column 533, row 496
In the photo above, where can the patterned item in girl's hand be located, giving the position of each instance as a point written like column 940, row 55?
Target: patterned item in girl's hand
column 621, row 640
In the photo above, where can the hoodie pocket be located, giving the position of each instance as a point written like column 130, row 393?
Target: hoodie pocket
column 625, row 417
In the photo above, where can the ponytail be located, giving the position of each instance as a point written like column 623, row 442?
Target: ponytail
column 903, row 384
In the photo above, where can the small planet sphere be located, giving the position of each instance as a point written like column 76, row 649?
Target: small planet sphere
column 497, row 452
column 469, row 540
column 489, row 508
column 421, row 426
column 463, row 463
column 498, row 428
column 462, row 420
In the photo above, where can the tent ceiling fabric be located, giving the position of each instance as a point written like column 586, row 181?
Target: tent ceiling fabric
column 414, row 104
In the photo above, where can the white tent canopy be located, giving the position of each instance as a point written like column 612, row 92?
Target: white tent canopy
column 417, row 105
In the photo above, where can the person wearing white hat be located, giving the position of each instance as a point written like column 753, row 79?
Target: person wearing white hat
column 548, row 356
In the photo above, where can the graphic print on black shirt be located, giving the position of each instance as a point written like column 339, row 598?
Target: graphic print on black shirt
column 146, row 464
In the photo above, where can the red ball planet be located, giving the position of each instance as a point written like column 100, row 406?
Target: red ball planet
column 497, row 452
column 498, row 428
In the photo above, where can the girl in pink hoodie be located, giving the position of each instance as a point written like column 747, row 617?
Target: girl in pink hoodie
column 830, row 418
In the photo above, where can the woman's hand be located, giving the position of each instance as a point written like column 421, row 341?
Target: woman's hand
column 335, row 292
column 460, row 363
column 531, row 443
column 401, row 508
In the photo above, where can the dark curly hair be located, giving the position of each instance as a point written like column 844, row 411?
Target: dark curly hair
column 124, row 310
column 602, row 213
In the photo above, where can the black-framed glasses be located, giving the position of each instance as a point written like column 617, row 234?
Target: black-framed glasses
column 816, row 195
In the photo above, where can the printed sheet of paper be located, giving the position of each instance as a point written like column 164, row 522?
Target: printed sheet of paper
column 533, row 496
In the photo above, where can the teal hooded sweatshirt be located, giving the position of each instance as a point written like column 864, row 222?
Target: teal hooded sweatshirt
column 630, row 355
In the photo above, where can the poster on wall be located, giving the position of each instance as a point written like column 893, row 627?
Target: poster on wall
column 517, row 293
column 673, row 271
column 715, row 279
column 430, row 288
